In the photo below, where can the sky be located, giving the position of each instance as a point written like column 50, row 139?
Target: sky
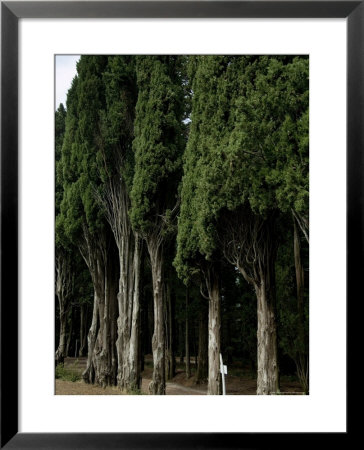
column 65, row 71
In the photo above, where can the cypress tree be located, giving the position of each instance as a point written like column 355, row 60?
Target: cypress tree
column 191, row 260
column 158, row 147
column 116, row 164
column 82, row 218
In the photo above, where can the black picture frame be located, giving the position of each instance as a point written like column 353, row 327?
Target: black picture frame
column 11, row 12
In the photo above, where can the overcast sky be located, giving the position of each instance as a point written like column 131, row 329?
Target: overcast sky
column 65, row 71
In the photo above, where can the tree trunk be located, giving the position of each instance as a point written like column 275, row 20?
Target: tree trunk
column 301, row 359
column 60, row 353
column 99, row 356
column 252, row 247
column 101, row 362
column 143, row 313
column 70, row 330
column 144, row 331
column 106, row 359
column 134, row 355
column 187, row 345
column 214, row 386
column 128, row 342
column 267, row 380
column 158, row 383
column 89, row 373
column 83, row 320
column 202, row 357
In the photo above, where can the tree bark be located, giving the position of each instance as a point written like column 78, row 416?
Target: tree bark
column 89, row 373
column 70, row 330
column 101, row 362
column 143, row 313
column 98, row 358
column 134, row 355
column 107, row 359
column 128, row 342
column 267, row 380
column 60, row 353
column 267, row 360
column 214, row 385
column 83, row 329
column 116, row 203
column 158, row 383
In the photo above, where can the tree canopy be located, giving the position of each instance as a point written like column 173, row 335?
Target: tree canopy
column 158, row 142
column 248, row 144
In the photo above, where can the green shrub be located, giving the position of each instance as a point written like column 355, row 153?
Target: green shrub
column 66, row 374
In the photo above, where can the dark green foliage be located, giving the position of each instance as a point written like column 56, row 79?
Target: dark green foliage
column 248, row 144
column 81, row 173
column 60, row 126
column 158, row 142
column 116, row 158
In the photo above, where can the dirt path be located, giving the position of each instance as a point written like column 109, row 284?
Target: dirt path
column 174, row 388
column 236, row 384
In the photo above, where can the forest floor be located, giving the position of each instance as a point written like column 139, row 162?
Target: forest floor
column 238, row 381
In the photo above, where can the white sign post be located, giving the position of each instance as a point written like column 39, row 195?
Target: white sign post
column 223, row 371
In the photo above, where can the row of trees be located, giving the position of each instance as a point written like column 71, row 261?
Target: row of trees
column 195, row 162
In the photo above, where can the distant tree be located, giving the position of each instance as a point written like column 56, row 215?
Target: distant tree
column 302, row 353
column 83, row 300
column 292, row 305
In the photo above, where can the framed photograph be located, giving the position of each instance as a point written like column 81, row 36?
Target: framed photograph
column 140, row 104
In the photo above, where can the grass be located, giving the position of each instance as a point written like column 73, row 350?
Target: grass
column 67, row 374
